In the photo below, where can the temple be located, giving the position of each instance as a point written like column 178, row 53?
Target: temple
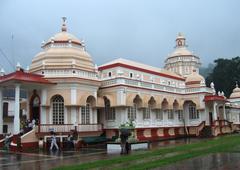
column 64, row 90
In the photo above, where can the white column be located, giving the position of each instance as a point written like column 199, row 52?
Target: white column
column 27, row 107
column 73, row 115
column 1, row 111
column 214, row 111
column 224, row 113
column 17, row 107
column 43, row 114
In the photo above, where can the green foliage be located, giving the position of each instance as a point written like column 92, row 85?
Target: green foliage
column 225, row 74
column 127, row 125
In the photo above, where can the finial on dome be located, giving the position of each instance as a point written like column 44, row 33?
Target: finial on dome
column 2, row 72
column 18, row 66
column 180, row 40
column 236, row 84
column 64, row 27
column 180, row 34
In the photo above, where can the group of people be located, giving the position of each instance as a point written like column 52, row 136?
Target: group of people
column 27, row 126
column 70, row 143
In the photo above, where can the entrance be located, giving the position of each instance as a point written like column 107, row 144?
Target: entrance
column 35, row 108
column 210, row 118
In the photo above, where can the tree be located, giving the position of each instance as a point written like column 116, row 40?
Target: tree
column 225, row 74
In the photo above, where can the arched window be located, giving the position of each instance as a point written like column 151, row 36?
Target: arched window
column 109, row 112
column 58, row 109
column 159, row 114
column 146, row 112
column 132, row 112
column 170, row 114
column 193, row 113
column 85, row 114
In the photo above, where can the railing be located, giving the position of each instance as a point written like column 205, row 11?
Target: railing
column 152, row 85
column 222, row 123
column 69, row 127
column 200, row 127
column 90, row 127
column 221, row 126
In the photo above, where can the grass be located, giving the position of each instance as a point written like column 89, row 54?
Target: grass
column 164, row 156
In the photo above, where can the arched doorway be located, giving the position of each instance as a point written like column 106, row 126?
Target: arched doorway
column 35, row 107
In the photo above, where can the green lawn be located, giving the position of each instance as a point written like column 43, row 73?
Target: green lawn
column 164, row 156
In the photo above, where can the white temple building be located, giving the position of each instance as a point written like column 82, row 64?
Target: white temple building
column 66, row 91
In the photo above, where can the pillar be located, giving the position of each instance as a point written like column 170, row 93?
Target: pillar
column 214, row 111
column 224, row 113
column 1, row 111
column 17, row 110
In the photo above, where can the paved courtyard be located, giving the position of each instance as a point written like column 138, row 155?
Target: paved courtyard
column 48, row 160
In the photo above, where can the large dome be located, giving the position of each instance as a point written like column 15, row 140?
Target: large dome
column 63, row 51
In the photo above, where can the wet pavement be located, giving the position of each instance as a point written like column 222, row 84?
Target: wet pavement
column 48, row 160
column 219, row 161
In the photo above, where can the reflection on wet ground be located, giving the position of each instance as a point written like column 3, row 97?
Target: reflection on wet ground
column 48, row 160
column 176, row 142
column 219, row 161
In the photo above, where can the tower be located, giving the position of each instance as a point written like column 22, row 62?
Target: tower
column 182, row 61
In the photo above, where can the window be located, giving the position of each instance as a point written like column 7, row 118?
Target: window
column 109, row 74
column 193, row 113
column 146, row 113
column 180, row 114
column 5, row 109
column 130, row 75
column 58, row 109
column 85, row 114
column 110, row 112
column 170, row 114
column 132, row 112
column 159, row 114
column 5, row 128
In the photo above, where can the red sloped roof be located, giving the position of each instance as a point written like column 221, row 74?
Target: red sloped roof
column 24, row 77
column 214, row 98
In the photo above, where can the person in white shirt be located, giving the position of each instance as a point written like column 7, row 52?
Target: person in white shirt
column 53, row 142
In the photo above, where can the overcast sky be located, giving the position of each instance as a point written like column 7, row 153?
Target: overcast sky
column 139, row 30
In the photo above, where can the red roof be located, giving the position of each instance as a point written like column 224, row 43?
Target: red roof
column 24, row 77
column 214, row 98
column 138, row 69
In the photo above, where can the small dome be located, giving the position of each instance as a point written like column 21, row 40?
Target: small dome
column 195, row 80
column 63, row 37
column 181, row 51
column 236, row 92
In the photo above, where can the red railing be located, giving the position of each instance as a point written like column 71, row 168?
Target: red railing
column 69, row 127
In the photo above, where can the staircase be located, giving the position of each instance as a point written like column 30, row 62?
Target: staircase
column 206, row 132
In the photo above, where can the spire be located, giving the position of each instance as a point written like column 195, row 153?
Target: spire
column 180, row 40
column 236, row 84
column 64, row 27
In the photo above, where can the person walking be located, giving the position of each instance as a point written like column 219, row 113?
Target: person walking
column 54, row 142
column 123, row 138
column 70, row 144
